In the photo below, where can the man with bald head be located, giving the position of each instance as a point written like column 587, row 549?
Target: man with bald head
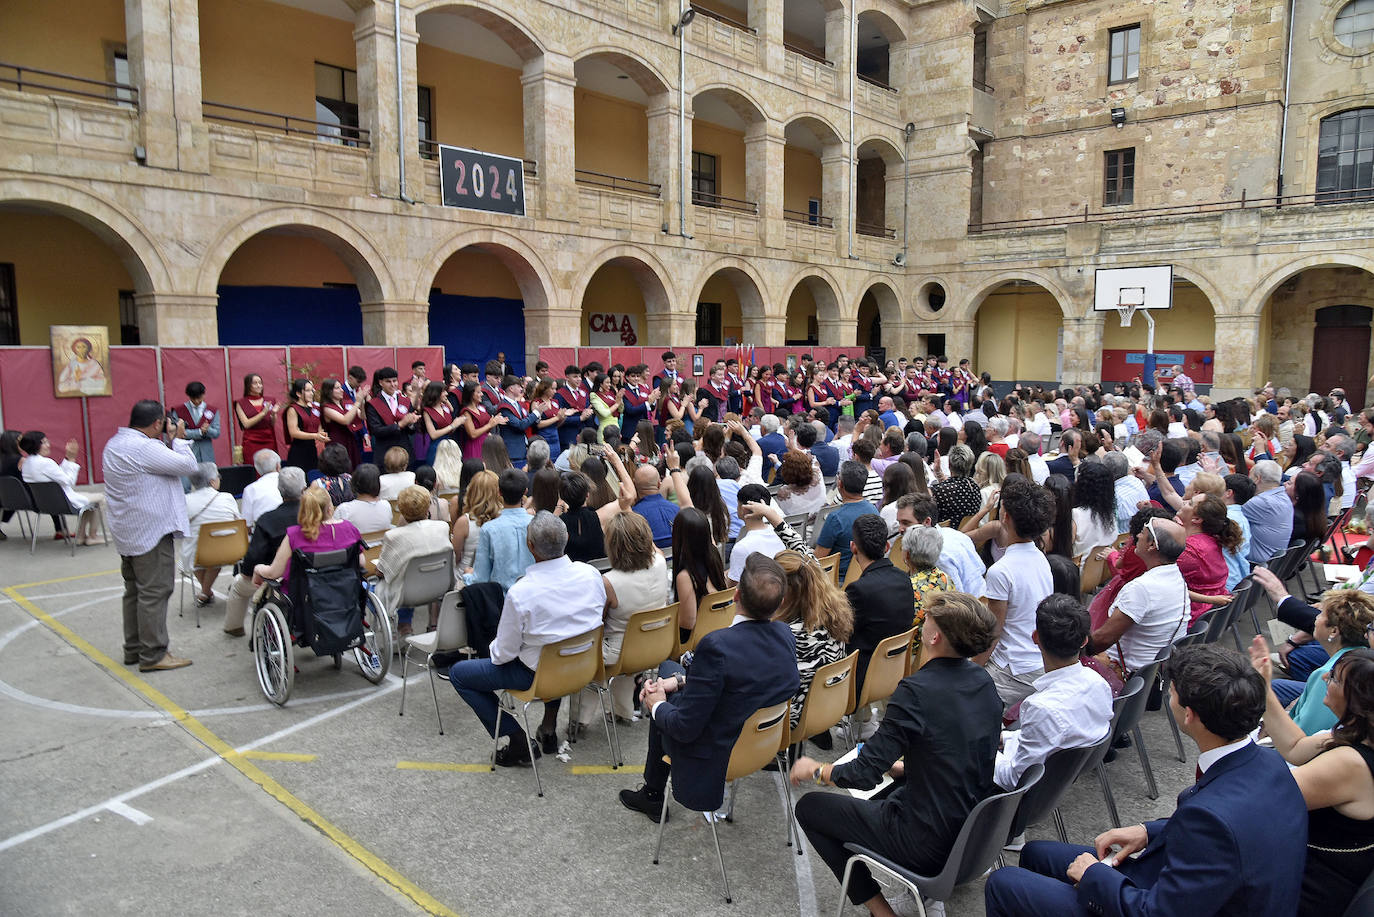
column 650, row 504
column 1151, row 611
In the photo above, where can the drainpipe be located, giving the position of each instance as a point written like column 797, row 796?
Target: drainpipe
column 906, row 182
column 1283, row 124
column 683, row 165
column 853, row 152
column 400, row 107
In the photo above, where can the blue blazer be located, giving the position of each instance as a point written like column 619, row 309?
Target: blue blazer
column 734, row 672
column 1236, row 845
column 774, row 447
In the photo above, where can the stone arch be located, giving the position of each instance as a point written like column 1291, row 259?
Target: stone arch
column 117, row 228
column 350, row 244
column 825, row 290
column 885, row 148
column 645, row 74
column 494, row 19
column 1275, row 278
column 525, row 265
column 1203, row 283
column 887, row 26
column 818, row 124
column 648, row 272
column 747, row 282
column 745, row 105
column 968, row 310
column 889, row 303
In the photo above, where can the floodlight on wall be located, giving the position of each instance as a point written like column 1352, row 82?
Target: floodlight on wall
column 688, row 15
column 1119, row 117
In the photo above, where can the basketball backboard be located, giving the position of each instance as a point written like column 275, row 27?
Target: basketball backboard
column 1142, row 287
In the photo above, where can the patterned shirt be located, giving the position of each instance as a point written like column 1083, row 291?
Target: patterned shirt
column 143, row 492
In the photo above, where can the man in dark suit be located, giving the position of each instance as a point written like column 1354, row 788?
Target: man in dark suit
column 827, row 456
column 389, row 414
column 882, row 597
column 1070, row 447
column 269, row 530
column 772, row 444
column 1219, row 853
column 696, row 717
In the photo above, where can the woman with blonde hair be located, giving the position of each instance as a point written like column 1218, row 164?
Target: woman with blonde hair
column 989, row 473
column 448, row 465
column 481, row 504
column 821, row 620
column 316, row 531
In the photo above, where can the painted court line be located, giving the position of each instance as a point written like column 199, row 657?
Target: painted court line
column 442, row 766
column 235, row 759
column 278, row 756
column 129, row 812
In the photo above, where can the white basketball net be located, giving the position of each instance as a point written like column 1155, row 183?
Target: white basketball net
column 1128, row 299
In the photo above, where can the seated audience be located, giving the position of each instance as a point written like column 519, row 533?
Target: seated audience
column 821, row 619
column 835, row 530
column 958, row 556
column 419, row 536
column 36, row 466
column 396, row 461
column 262, row 545
column 205, row 504
column 262, row 495
column 1151, row 611
column 802, row 490
column 882, row 597
column 502, row 553
column 1270, row 512
column 697, row 567
column 367, row 510
column 756, row 535
column 958, row 495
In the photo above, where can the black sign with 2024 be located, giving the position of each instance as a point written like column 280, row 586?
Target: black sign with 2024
column 482, row 181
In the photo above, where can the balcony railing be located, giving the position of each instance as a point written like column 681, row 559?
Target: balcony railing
column 1244, row 202
column 810, row 55
column 707, row 199
column 346, row 135
column 877, row 230
column 429, row 149
column 30, row 78
column 813, row 219
column 618, row 183
column 982, row 87
column 874, row 81
column 718, row 17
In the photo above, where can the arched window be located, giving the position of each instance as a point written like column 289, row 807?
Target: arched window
column 1345, row 157
column 1354, row 25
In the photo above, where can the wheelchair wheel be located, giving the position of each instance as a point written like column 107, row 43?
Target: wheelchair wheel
column 272, row 653
column 374, row 656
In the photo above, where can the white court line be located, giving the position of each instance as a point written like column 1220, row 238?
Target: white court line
column 129, row 812
column 806, row 884
column 25, row 836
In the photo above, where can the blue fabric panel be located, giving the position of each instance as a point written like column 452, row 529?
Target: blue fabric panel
column 289, row 315
column 475, row 328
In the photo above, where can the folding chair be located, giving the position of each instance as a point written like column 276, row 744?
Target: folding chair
column 565, row 667
column 1042, row 800
column 602, row 564
column 219, row 544
column 978, row 847
column 814, row 531
column 372, row 549
column 831, row 565
column 15, row 498
column 1128, row 707
column 450, row 634
column 760, row 740
column 1180, row 643
column 800, row 523
column 889, row 664
column 715, row 611
column 898, row 556
column 426, row 579
column 650, row 637
column 49, row 499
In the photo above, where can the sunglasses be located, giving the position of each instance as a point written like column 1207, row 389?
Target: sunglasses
column 1150, row 527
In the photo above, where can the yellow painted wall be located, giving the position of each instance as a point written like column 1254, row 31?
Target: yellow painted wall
column 801, row 307
column 720, row 289
column 801, row 178
column 477, row 104
column 261, row 55
column 612, row 136
column 63, row 275
column 1188, row 325
column 1016, row 335
column 613, row 289
column 475, row 273
column 728, row 148
column 62, row 37
column 278, row 260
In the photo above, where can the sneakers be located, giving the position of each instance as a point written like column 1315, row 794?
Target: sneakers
column 369, row 661
column 867, row 730
column 515, row 754
column 906, row 905
column 640, row 801
column 168, row 661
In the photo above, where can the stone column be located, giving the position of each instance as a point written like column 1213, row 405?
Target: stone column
column 375, row 39
column 836, row 332
column 554, row 327
column 1236, row 353
column 837, row 45
column 396, row 324
column 664, row 162
column 958, row 338
column 764, row 146
column 549, row 82
column 765, row 18
column 670, row 329
column 835, row 193
column 163, row 43
column 765, row 330
column 177, row 319
column 892, row 198
column 1083, row 349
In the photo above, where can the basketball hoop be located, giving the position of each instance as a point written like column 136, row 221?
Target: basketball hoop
column 1128, row 300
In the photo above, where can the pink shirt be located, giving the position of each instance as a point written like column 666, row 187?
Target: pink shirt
column 1204, row 570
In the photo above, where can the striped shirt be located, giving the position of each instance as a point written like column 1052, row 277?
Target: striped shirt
column 143, row 492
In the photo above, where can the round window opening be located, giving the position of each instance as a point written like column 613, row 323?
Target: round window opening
column 932, row 296
column 1354, row 25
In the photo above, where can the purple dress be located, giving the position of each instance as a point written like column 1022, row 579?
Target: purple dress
column 335, row 535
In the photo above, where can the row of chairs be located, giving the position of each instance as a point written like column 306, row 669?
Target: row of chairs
column 31, row 502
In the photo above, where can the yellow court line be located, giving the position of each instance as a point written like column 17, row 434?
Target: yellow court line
column 278, row 756
column 442, row 766
column 375, row 864
column 595, row 769
column 61, row 579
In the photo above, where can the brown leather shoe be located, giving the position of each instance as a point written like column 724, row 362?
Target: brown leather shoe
column 168, row 661
column 235, row 632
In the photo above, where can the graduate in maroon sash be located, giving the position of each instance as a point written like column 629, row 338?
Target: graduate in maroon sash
column 576, row 398
column 342, row 418
column 256, row 415
column 301, row 424
column 390, row 417
column 475, row 422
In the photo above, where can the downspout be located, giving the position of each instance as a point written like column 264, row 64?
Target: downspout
column 906, row 183
column 853, row 165
column 400, row 108
column 683, row 166
column 1283, row 124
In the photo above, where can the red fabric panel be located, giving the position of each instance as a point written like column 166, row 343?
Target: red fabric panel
column 133, row 377
column 433, row 357
column 373, row 359
column 322, row 363
column 626, row 356
column 600, row 355
column 559, row 358
column 268, row 362
column 26, row 394
column 181, row 365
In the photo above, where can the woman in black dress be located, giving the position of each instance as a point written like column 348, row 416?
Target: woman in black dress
column 301, row 424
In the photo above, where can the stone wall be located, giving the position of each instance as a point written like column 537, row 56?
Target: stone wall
column 1291, row 319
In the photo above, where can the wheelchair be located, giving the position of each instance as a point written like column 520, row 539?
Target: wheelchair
column 326, row 606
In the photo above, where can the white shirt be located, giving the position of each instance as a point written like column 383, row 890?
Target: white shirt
column 1347, row 486
column 1071, row 708
column 1157, row 601
column 143, row 489
column 366, row 517
column 1039, row 424
column 554, row 600
column 394, row 482
column 1208, row 758
column 812, row 499
column 1089, row 532
column 1130, row 490
column 1021, row 579
column 204, row 506
column 1040, row 469
column 961, row 563
column 41, row 468
column 763, row 540
column 260, row 497
column 843, row 445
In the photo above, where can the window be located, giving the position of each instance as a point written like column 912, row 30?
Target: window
column 1125, row 54
column 813, row 211
column 980, row 59
column 128, row 318
column 1119, row 187
column 336, row 103
column 424, row 108
column 708, row 324
column 1345, row 157
column 704, row 180
column 1354, row 25
column 9, row 306
column 118, row 70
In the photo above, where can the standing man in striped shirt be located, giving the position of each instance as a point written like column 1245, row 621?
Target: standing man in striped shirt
column 146, row 509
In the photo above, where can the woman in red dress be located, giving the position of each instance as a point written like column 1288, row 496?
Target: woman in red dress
column 475, row 421
column 255, row 415
column 301, row 424
column 341, row 418
column 438, row 417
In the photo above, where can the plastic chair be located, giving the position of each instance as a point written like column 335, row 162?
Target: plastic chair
column 650, row 638
column 49, row 499
column 1128, row 707
column 800, row 523
column 1223, row 617
column 602, row 564
column 1093, row 571
column 1362, row 905
column 852, row 574
column 15, row 498
column 889, row 664
column 898, row 556
column 372, row 549
column 565, row 667
column 760, row 740
column 1042, row 800
column 450, row 634
column 715, row 611
column 424, row 580
column 814, row 531
column 1180, row 643
column 219, row 544
column 831, row 565
column 978, row 846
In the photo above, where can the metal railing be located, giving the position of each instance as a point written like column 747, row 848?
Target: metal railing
column 718, row 201
column 874, row 81
column 429, row 149
column 876, row 230
column 809, row 55
column 31, row 78
column 982, row 87
column 346, row 135
column 618, row 183
column 805, row 216
column 1244, row 202
column 719, row 17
